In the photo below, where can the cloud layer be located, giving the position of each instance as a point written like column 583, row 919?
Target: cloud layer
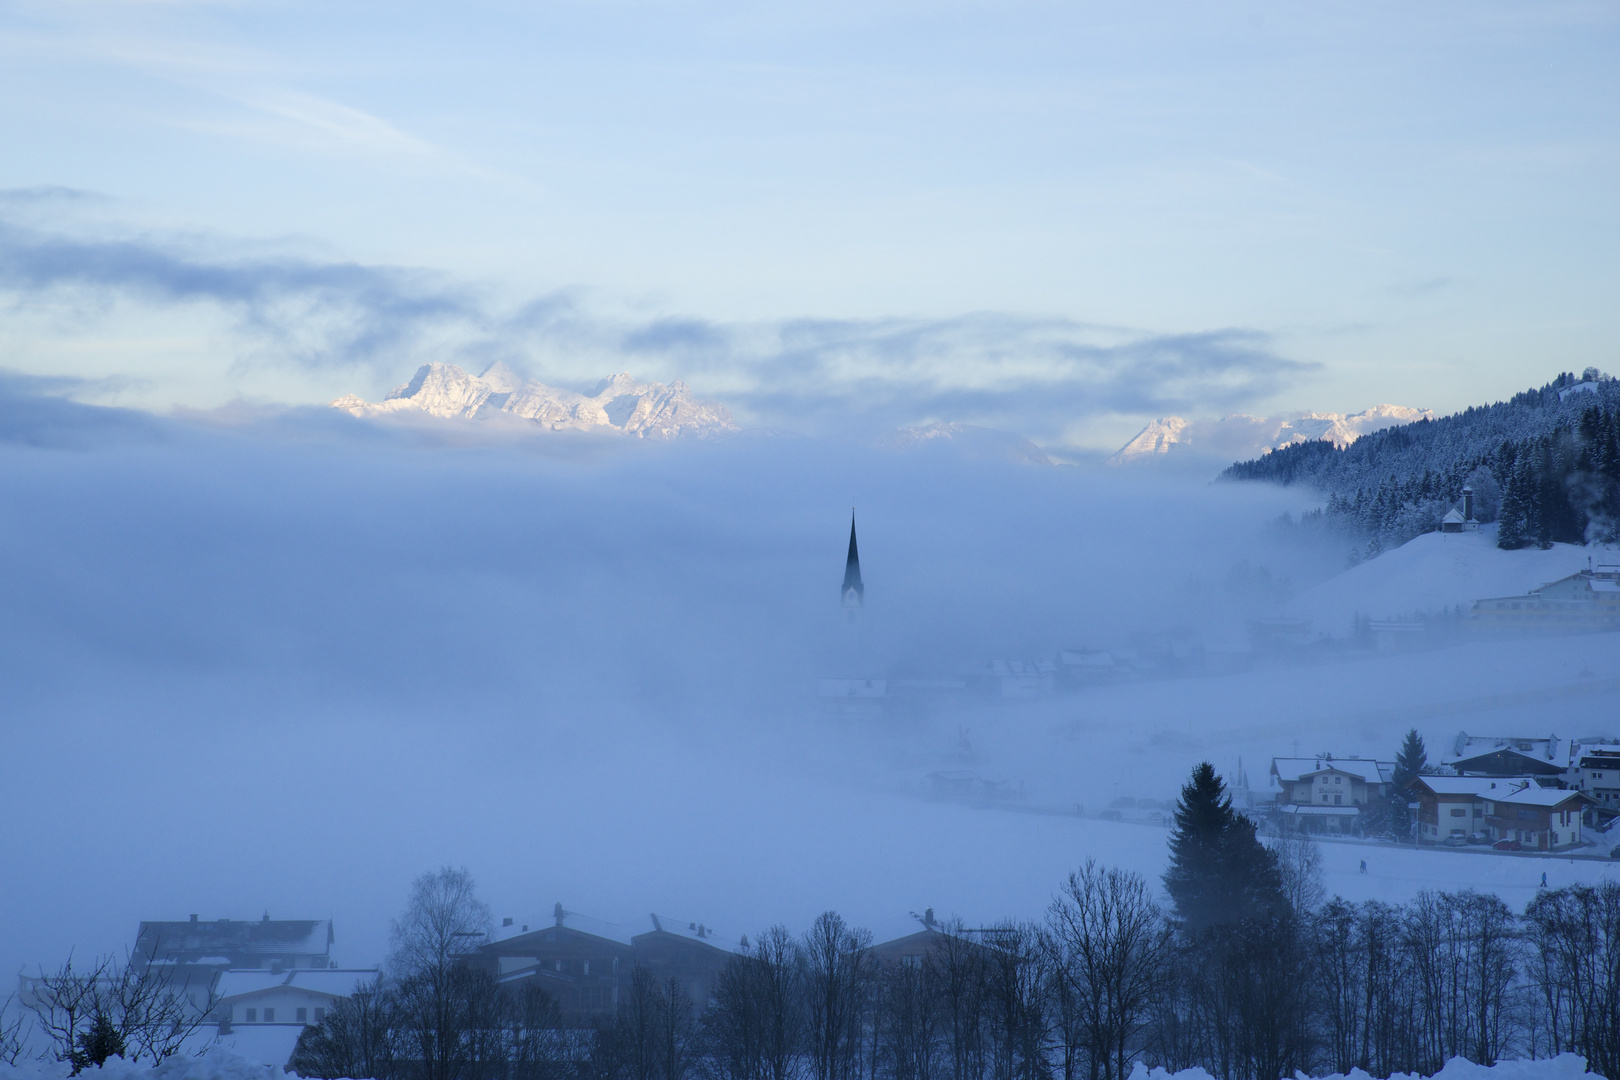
column 1036, row 375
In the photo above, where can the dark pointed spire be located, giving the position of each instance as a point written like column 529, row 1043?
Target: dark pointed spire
column 854, row 591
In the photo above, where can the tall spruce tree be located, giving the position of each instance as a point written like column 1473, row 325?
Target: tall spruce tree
column 1220, row 873
column 1511, row 533
column 1410, row 761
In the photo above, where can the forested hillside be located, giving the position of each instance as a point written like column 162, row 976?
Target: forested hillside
column 1546, row 464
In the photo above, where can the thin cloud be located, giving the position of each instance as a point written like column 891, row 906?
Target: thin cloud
column 1036, row 375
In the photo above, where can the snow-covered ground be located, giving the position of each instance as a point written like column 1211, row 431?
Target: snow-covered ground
column 1435, row 573
column 221, row 1063
column 1562, row 1067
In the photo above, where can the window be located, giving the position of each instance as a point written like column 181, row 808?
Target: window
column 301, row 1015
column 585, row 968
column 320, row 1014
column 1338, row 799
column 1527, row 815
column 1459, row 811
column 252, row 1016
column 269, row 1016
column 1338, row 779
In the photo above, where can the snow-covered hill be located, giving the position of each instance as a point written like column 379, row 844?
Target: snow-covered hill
column 1238, row 437
column 1430, row 574
column 618, row 403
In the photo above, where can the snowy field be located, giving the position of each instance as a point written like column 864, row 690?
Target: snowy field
column 1435, row 573
column 223, row 1065
column 287, row 664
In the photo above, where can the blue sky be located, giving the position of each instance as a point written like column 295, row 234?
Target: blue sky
column 1060, row 219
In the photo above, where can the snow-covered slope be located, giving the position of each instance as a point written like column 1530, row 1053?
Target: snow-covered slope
column 1562, row 1067
column 973, row 443
column 1430, row 574
column 618, row 403
column 1239, row 437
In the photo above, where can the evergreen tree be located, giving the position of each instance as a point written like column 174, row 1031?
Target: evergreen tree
column 101, row 1041
column 1220, row 873
column 1410, row 762
column 1512, row 532
column 1412, row 759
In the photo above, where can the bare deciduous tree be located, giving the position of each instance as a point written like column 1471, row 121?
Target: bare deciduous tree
column 837, row 979
column 131, row 1010
column 1111, row 942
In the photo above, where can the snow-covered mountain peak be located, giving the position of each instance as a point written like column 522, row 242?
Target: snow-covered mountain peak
column 1239, row 437
column 500, row 377
column 618, row 403
column 614, row 385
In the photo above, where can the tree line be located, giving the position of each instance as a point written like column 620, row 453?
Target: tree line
column 1545, row 464
column 1241, row 968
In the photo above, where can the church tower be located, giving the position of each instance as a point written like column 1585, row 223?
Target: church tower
column 854, row 591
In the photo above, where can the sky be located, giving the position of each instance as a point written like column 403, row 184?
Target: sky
column 1062, row 219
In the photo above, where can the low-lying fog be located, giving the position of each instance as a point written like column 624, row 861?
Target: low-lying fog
column 288, row 661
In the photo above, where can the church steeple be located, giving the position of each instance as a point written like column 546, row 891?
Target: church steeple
column 854, row 591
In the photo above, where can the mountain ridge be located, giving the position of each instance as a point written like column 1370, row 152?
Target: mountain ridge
column 620, row 403
column 1238, row 436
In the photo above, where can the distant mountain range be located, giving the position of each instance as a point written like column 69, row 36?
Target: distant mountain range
column 1239, row 437
column 618, row 403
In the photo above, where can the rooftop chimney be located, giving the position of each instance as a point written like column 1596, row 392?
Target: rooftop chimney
column 928, row 917
column 557, row 913
column 194, row 918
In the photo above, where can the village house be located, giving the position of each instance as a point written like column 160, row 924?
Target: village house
column 1594, row 771
column 1327, row 794
column 1454, row 808
column 196, row 951
column 285, row 996
column 690, row 953
column 1589, row 600
column 576, row 959
column 586, row 964
column 1541, row 819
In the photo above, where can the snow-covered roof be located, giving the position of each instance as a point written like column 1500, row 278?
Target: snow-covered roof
column 1087, row 659
column 1320, row 811
column 1477, row 786
column 1453, row 517
column 233, row 984
column 570, row 920
column 332, row 982
column 1599, row 750
column 1373, row 772
column 235, row 938
column 1469, row 746
column 1535, row 796
column 339, row 982
column 696, row 931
